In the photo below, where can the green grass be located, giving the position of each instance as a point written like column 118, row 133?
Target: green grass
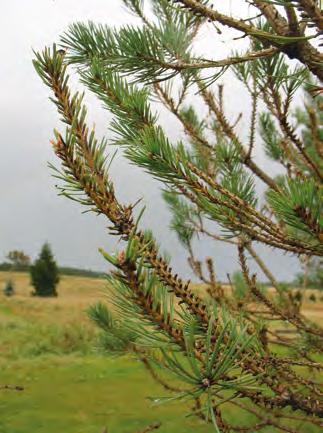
column 84, row 394
column 32, row 340
column 49, row 347
column 75, row 394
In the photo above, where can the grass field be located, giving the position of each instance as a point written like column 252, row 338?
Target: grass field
column 49, row 347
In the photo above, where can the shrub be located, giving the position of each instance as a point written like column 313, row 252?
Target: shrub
column 9, row 288
column 312, row 297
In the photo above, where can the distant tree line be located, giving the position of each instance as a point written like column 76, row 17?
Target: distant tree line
column 15, row 262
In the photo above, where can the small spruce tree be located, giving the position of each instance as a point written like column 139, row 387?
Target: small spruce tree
column 247, row 349
column 44, row 273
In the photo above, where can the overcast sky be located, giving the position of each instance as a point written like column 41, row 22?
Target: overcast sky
column 31, row 212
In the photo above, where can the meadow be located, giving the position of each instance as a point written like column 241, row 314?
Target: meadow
column 51, row 349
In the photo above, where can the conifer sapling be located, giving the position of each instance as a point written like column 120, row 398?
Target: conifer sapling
column 44, row 273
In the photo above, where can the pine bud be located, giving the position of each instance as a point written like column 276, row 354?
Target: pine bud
column 121, row 257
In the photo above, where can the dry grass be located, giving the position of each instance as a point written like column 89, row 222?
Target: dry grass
column 311, row 310
column 75, row 295
column 32, row 326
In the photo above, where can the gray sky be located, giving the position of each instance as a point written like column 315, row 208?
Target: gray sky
column 31, row 211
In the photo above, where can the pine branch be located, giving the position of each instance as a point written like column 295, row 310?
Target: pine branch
column 253, row 120
column 228, row 130
column 145, row 300
column 291, row 135
column 290, row 318
column 174, row 169
column 275, row 236
column 313, row 11
column 207, row 64
column 275, row 19
column 293, row 46
column 207, row 348
column 101, row 194
column 163, row 164
column 188, row 127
